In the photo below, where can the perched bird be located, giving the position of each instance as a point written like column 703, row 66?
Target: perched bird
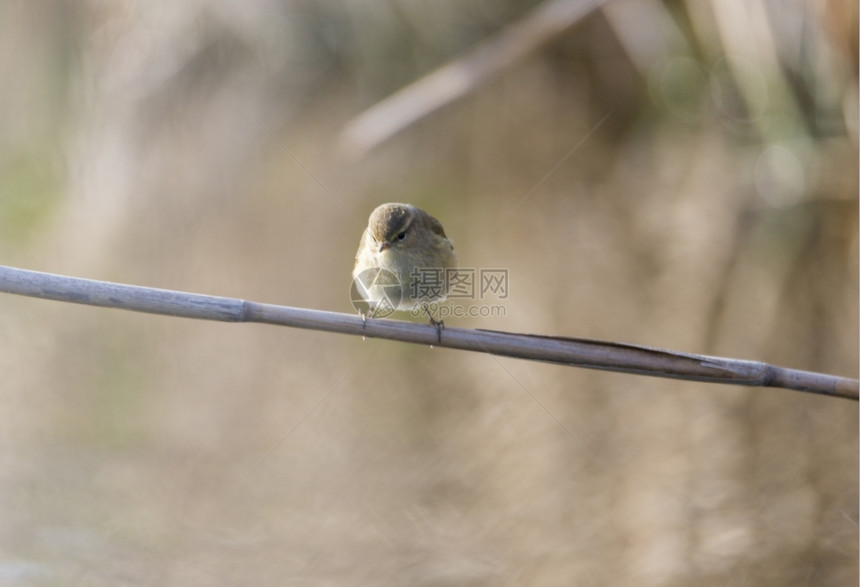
column 403, row 261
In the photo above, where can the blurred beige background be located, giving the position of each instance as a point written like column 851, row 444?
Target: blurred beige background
column 194, row 146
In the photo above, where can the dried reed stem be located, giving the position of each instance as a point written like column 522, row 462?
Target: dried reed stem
column 592, row 354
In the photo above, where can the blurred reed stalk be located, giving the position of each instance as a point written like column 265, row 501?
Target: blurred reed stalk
column 514, row 43
column 592, row 354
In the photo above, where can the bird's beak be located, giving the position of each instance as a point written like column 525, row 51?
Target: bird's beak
column 384, row 245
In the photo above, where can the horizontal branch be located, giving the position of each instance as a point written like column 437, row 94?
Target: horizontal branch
column 592, row 354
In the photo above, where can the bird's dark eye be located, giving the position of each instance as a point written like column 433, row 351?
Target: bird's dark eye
column 401, row 236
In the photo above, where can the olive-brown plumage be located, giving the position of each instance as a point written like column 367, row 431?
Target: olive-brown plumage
column 410, row 244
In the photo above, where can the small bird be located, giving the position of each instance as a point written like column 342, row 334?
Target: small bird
column 403, row 260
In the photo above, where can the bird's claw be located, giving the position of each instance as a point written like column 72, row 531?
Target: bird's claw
column 439, row 324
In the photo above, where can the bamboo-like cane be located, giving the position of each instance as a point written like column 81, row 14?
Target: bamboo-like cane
column 592, row 354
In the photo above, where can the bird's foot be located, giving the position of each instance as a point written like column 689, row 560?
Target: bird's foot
column 439, row 324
